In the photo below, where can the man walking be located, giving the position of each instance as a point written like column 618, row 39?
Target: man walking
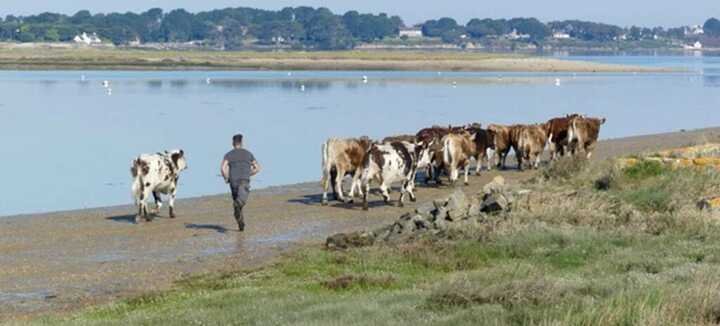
column 237, row 167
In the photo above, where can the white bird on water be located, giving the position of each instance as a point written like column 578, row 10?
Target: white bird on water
column 289, row 73
column 208, row 81
column 109, row 91
column 365, row 79
column 557, row 81
column 106, row 83
column 454, row 84
column 302, row 88
column 82, row 78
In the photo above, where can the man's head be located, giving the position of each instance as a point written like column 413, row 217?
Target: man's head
column 237, row 141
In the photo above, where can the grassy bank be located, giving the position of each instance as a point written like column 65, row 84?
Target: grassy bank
column 101, row 59
column 590, row 245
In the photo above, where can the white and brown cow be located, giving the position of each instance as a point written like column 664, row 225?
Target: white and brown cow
column 558, row 137
column 156, row 174
column 583, row 134
column 458, row 150
column 484, row 141
column 531, row 144
column 393, row 162
column 341, row 157
column 506, row 138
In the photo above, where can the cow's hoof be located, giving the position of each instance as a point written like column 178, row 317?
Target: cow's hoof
column 365, row 207
column 400, row 204
column 172, row 215
column 137, row 220
column 349, row 201
column 413, row 199
column 467, row 183
column 324, row 203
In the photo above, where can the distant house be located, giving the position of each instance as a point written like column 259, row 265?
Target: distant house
column 694, row 30
column 410, row 32
column 84, row 38
column 561, row 35
column 696, row 46
column 514, row 35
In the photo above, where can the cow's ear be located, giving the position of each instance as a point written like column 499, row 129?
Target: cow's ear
column 603, row 121
column 182, row 153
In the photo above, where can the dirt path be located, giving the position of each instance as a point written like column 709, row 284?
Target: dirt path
column 63, row 261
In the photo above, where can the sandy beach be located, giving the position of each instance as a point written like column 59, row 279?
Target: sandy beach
column 24, row 58
column 63, row 261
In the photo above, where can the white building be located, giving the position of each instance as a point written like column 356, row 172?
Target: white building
column 84, row 38
column 514, row 35
column 561, row 35
column 411, row 32
column 694, row 30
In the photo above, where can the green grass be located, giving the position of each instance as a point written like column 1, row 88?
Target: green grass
column 619, row 256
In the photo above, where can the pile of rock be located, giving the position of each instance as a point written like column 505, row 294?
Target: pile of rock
column 458, row 212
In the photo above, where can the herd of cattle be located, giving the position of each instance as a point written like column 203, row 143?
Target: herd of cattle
column 449, row 150
column 398, row 158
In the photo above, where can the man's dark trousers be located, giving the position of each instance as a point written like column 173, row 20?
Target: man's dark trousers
column 240, row 190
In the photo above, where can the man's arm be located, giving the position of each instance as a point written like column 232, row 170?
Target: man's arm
column 255, row 168
column 225, row 170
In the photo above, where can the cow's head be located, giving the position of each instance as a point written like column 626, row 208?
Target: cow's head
column 423, row 153
column 178, row 159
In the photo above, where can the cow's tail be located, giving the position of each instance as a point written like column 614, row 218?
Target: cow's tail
column 447, row 154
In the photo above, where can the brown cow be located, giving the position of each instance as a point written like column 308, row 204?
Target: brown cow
column 506, row 138
column 434, row 136
column 583, row 134
column 531, row 144
column 341, row 157
column 484, row 140
column 399, row 138
column 558, row 140
column 458, row 149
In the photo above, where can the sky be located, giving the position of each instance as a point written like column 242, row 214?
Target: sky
column 647, row 13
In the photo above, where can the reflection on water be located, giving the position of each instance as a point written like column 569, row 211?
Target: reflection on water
column 68, row 144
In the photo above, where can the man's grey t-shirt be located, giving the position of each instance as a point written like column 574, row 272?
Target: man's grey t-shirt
column 240, row 164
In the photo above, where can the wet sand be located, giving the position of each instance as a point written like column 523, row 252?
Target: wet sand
column 63, row 261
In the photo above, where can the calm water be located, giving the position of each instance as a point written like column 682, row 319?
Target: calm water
column 67, row 144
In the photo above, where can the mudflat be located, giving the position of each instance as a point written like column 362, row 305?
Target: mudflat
column 64, row 261
column 49, row 58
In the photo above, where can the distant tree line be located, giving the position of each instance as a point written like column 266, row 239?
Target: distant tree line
column 301, row 27
column 231, row 27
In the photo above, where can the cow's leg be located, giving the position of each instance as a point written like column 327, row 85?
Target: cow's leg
column 356, row 185
column 402, row 194
column 467, row 171
column 325, row 184
column 519, row 157
column 334, row 183
column 171, row 202
column 142, row 204
column 338, row 185
column 158, row 202
column 366, row 185
column 385, row 193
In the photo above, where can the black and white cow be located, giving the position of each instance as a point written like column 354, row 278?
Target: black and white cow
column 156, row 174
column 393, row 162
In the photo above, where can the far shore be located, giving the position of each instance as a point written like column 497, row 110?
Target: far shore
column 116, row 59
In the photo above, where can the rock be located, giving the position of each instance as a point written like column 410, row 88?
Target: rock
column 421, row 222
column 495, row 186
column 474, row 210
column 457, row 205
column 495, row 203
column 426, row 209
column 441, row 213
column 523, row 192
column 440, row 224
column 439, row 203
column 343, row 241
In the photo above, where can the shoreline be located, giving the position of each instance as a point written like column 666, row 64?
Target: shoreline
column 105, row 256
column 302, row 186
column 139, row 60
